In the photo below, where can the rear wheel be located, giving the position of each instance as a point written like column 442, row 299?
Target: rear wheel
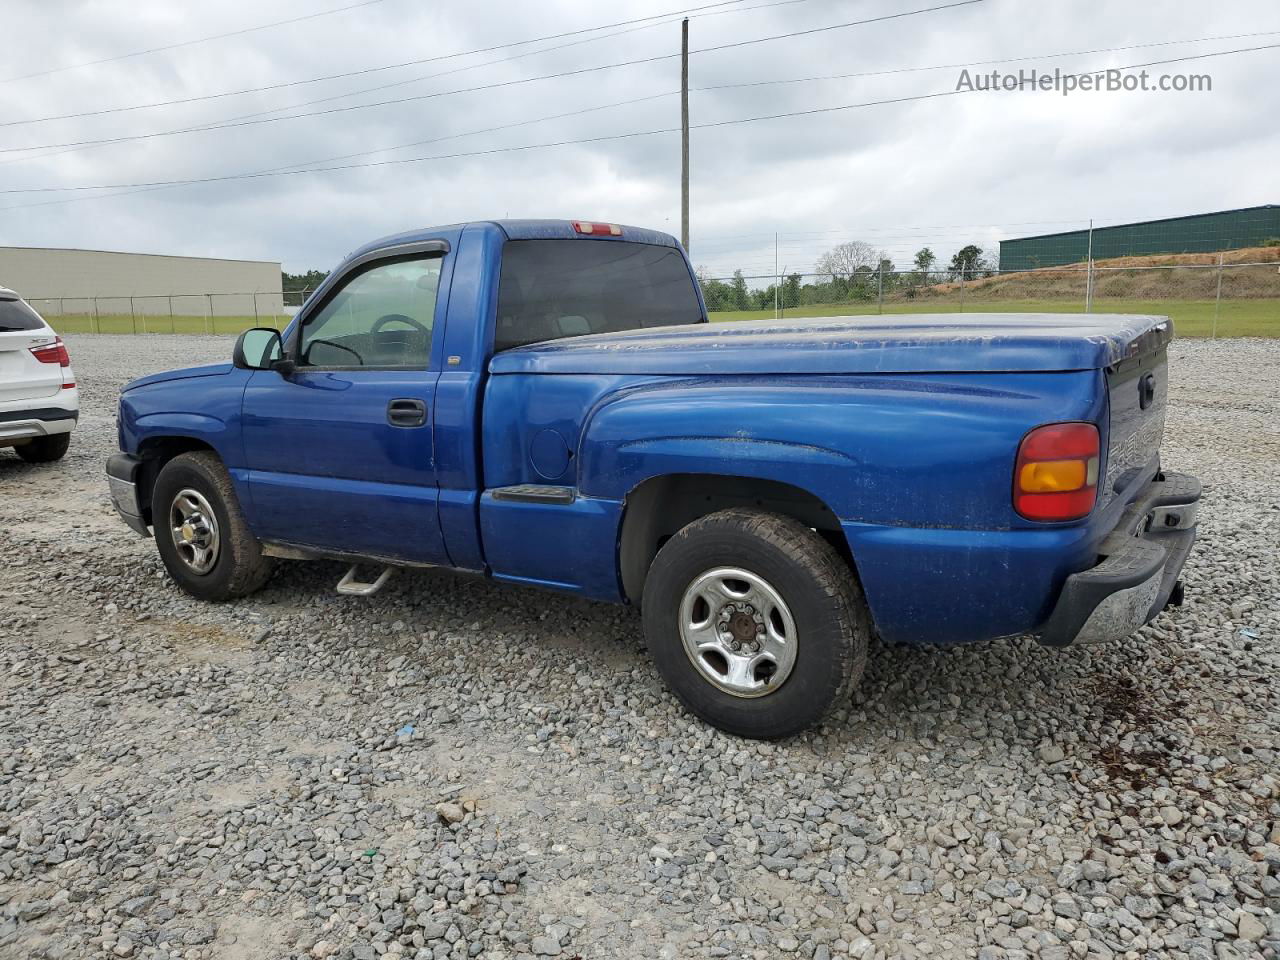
column 45, row 449
column 755, row 622
column 202, row 536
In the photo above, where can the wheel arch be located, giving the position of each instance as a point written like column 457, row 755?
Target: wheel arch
column 155, row 452
column 657, row 507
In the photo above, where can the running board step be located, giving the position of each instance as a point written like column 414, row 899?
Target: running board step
column 351, row 587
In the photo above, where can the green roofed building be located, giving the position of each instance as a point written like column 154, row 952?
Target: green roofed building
column 1197, row 233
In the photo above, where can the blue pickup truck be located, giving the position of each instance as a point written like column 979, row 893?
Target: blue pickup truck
column 544, row 403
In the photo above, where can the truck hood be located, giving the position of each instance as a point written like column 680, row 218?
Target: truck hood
column 185, row 373
column 904, row 343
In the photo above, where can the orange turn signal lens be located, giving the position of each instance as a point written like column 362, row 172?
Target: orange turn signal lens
column 1052, row 476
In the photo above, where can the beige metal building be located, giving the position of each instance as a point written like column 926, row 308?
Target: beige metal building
column 59, row 281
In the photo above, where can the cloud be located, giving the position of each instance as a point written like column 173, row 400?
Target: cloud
column 940, row 172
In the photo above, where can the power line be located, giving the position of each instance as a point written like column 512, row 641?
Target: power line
column 473, row 133
column 290, row 168
column 722, row 240
column 899, row 70
column 491, row 86
column 930, row 227
column 231, row 121
column 378, row 69
column 597, row 139
column 987, row 63
column 764, row 238
column 191, row 43
column 488, row 63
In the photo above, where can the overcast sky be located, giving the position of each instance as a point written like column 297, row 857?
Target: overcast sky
column 944, row 171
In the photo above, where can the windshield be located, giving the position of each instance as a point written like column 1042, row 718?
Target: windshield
column 566, row 288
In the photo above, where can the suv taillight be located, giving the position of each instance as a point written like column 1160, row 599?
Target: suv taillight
column 56, row 352
column 1056, row 474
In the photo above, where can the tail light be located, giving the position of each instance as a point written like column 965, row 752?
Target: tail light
column 1056, row 474
column 56, row 352
column 597, row 229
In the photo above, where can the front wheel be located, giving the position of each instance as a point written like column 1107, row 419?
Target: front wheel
column 755, row 622
column 200, row 532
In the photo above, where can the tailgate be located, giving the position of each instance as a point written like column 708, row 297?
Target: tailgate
column 22, row 376
column 1138, row 391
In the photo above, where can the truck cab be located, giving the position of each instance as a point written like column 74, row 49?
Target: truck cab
column 544, row 403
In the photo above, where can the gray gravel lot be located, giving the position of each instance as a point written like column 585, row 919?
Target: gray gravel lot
column 454, row 769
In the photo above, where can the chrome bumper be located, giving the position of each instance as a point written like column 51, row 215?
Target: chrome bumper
column 122, row 473
column 1138, row 574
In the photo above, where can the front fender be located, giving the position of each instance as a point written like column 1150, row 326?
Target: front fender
column 204, row 409
column 197, row 426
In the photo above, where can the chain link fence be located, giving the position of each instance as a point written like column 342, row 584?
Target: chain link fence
column 212, row 313
column 1223, row 299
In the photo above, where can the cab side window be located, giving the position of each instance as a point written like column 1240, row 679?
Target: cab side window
column 381, row 317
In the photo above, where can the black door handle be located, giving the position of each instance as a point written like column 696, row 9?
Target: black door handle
column 406, row 413
column 1146, row 390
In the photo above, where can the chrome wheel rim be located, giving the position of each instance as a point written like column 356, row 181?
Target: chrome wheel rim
column 194, row 528
column 738, row 632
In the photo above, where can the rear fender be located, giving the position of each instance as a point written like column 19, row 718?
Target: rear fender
column 698, row 427
column 927, row 458
column 919, row 451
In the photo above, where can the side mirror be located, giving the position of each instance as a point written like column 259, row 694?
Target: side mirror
column 258, row 349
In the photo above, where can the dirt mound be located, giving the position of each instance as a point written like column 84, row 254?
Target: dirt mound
column 1243, row 255
column 1252, row 272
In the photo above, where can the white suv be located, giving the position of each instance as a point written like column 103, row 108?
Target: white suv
column 39, row 402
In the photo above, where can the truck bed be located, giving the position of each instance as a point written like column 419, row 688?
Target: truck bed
column 902, row 343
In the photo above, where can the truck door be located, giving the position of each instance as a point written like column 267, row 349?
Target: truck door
column 340, row 452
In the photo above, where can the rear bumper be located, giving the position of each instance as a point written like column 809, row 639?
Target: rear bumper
column 39, row 418
column 122, row 478
column 1138, row 570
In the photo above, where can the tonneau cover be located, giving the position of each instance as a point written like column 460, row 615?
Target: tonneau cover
column 903, row 343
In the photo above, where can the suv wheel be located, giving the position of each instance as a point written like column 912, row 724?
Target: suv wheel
column 45, row 449
column 200, row 532
column 755, row 622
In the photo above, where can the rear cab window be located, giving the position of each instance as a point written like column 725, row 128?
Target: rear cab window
column 551, row 289
column 16, row 316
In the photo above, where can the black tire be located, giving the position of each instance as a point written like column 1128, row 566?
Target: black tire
column 45, row 449
column 831, row 620
column 239, row 568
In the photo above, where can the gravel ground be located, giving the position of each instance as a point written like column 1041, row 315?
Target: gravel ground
column 454, row 769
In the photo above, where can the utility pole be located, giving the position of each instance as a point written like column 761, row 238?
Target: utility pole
column 777, row 279
column 1088, row 275
column 684, row 134
column 1217, row 300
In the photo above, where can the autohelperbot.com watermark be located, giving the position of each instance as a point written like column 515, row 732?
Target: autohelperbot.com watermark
column 1099, row 81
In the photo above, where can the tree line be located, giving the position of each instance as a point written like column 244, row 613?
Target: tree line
column 846, row 273
column 301, row 282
